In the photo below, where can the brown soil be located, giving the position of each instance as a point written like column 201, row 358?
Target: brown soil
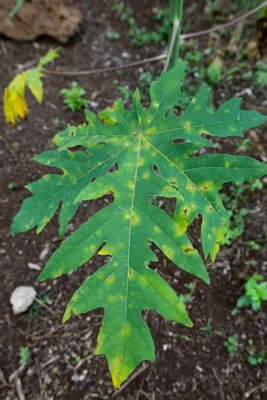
column 191, row 364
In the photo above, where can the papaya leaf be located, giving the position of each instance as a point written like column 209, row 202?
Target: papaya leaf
column 137, row 155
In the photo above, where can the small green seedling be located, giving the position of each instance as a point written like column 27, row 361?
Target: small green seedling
column 253, row 245
column 24, row 355
column 188, row 297
column 237, row 226
column 255, row 293
column 208, row 328
column 139, row 36
column 239, row 193
column 261, row 74
column 73, row 97
column 15, row 146
column 185, row 338
column 257, row 184
column 113, row 35
column 125, row 92
column 245, row 145
column 231, row 345
column 12, row 185
column 145, row 80
column 254, row 358
column 215, row 70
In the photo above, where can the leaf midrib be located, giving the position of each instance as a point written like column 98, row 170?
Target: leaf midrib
column 194, row 126
column 129, row 244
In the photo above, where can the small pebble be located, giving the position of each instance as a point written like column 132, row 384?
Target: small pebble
column 44, row 252
column 22, row 298
column 34, row 266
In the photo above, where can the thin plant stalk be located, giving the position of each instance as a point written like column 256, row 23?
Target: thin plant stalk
column 176, row 13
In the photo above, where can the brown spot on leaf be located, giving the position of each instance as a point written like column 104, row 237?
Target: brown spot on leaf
column 188, row 250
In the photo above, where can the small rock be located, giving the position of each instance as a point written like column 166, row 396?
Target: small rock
column 199, row 368
column 77, row 378
column 22, row 298
column 44, row 252
column 94, row 104
column 34, row 266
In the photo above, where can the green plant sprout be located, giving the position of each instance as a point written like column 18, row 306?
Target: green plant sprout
column 231, row 345
column 145, row 80
column 125, row 92
column 215, row 70
column 239, row 194
column 24, row 355
column 188, row 297
column 255, row 293
column 73, row 97
column 261, row 74
column 16, row 8
column 254, row 358
column 113, row 35
column 253, row 245
column 245, row 145
column 140, row 36
column 208, row 328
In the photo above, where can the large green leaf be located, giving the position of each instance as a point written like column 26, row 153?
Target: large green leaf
column 138, row 155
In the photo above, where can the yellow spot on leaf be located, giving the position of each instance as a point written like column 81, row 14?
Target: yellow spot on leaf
column 135, row 218
column 145, row 175
column 187, row 249
column 130, row 185
column 168, row 251
column 141, row 162
column 156, row 229
column 110, row 280
column 114, row 298
column 233, row 129
column 126, row 215
column 126, row 329
column 106, row 250
column 92, row 247
column 206, row 186
column 187, row 126
column 190, row 187
column 151, row 130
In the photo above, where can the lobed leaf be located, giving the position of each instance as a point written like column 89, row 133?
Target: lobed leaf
column 138, row 155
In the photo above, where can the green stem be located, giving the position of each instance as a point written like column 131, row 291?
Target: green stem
column 16, row 8
column 176, row 13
